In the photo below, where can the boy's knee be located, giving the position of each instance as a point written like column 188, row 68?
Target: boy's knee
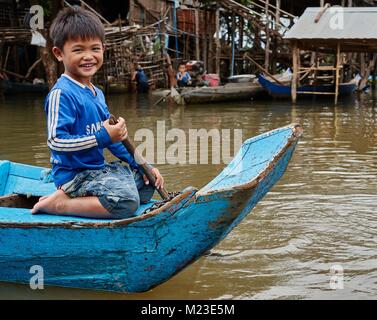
column 126, row 208
column 146, row 193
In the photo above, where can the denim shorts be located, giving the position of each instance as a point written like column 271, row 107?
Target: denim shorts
column 119, row 190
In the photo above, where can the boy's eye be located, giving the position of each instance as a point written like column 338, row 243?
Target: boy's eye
column 76, row 50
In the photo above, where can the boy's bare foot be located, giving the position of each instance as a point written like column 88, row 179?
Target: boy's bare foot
column 53, row 204
column 42, row 198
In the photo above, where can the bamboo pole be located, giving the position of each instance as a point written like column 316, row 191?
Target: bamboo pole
column 337, row 73
column 295, row 70
column 263, row 69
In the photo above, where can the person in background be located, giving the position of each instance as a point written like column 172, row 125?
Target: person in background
column 183, row 76
column 141, row 79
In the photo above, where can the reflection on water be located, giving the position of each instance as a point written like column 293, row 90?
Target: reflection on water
column 320, row 214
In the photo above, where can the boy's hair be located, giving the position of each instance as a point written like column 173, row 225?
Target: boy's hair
column 74, row 23
column 181, row 64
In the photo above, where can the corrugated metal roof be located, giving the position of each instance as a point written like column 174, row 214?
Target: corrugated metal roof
column 358, row 23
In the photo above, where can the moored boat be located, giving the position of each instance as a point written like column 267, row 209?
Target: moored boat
column 228, row 92
column 135, row 254
column 12, row 87
column 284, row 91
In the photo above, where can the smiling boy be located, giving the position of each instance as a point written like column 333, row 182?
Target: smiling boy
column 79, row 130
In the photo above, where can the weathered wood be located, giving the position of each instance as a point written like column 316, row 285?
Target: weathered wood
column 18, row 201
column 321, row 12
column 337, row 77
column 218, row 45
column 233, row 44
column 295, row 75
column 267, row 31
column 197, row 39
column 315, row 92
column 262, row 69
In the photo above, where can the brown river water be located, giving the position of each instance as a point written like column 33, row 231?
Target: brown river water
column 321, row 215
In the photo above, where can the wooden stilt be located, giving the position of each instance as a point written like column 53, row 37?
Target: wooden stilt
column 337, row 77
column 197, row 44
column 295, row 73
column 218, row 45
column 233, row 45
column 210, row 48
column 267, row 30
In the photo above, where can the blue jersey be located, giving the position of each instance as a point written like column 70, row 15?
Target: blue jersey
column 185, row 78
column 76, row 136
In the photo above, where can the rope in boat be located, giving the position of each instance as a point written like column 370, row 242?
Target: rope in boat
column 159, row 204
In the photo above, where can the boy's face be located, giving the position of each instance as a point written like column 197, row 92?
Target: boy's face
column 182, row 68
column 81, row 58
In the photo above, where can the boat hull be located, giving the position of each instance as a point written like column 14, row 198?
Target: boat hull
column 281, row 91
column 229, row 92
column 135, row 255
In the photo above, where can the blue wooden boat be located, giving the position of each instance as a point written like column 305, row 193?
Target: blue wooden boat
column 136, row 254
column 284, row 91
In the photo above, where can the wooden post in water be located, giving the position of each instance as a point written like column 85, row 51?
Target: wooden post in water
column 197, row 44
column 295, row 73
column 267, row 30
column 218, row 48
column 337, row 77
column 233, row 45
column 276, row 39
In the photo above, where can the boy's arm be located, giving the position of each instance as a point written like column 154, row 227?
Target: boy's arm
column 120, row 151
column 61, row 115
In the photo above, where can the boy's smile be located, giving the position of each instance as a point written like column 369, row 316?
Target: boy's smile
column 81, row 58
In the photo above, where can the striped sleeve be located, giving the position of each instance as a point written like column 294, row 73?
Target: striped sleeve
column 61, row 115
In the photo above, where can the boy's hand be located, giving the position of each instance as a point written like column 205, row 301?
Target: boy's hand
column 116, row 132
column 159, row 179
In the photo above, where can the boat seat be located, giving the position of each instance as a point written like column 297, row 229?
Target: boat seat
column 24, row 179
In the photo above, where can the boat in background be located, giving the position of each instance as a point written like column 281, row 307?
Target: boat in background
column 135, row 254
column 12, row 87
column 229, row 92
column 284, row 91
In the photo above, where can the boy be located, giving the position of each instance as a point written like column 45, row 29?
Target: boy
column 79, row 130
column 183, row 77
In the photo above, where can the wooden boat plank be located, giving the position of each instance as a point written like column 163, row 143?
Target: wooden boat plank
column 4, row 171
